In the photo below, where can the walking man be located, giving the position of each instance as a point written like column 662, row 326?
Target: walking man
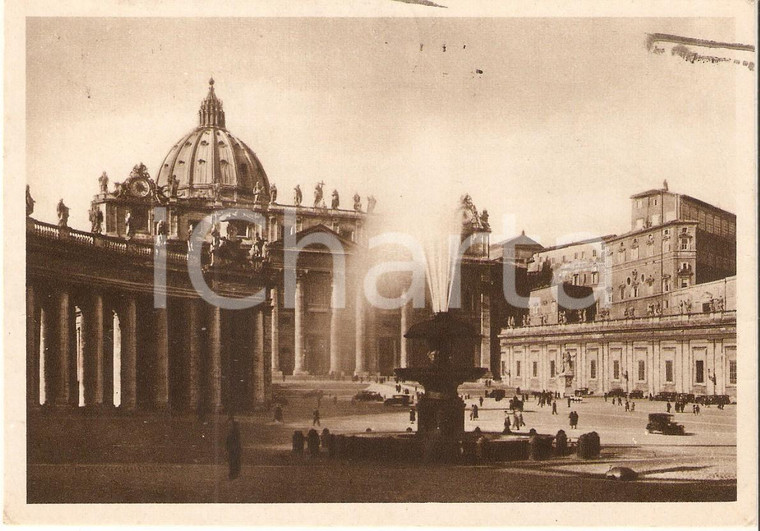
column 554, row 407
column 315, row 418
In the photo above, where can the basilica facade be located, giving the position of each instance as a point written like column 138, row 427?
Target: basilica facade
column 116, row 319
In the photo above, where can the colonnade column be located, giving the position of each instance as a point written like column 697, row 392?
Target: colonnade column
column 276, row 332
column 129, row 356
column 215, row 358
column 361, row 367
column 259, row 384
column 162, row 358
column 403, row 355
column 300, row 355
column 335, row 315
column 194, row 354
column 485, row 328
column 93, row 352
column 59, row 371
column 32, row 352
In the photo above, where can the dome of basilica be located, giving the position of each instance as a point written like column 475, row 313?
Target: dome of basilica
column 211, row 162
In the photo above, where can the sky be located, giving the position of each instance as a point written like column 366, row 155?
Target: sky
column 568, row 118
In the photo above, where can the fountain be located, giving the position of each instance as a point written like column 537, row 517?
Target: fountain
column 440, row 411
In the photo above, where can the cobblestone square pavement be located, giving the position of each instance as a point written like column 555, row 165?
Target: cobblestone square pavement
column 179, row 458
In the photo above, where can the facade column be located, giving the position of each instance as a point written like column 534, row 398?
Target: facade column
column 361, row 359
column 60, row 369
column 485, row 328
column 162, row 358
column 44, row 394
column 300, row 354
column 404, row 354
column 129, row 356
column 93, row 352
column 215, row 359
column 335, row 318
column 275, row 332
column 32, row 352
column 259, row 395
column 194, row 355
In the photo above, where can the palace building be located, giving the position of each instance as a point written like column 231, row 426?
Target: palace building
column 115, row 319
column 658, row 311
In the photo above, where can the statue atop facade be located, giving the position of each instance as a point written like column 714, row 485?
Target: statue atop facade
column 258, row 246
column 484, row 220
column 335, row 200
column 129, row 228
column 371, row 202
column 273, row 193
column 357, row 202
column 63, row 214
column 29, row 202
column 96, row 220
column 103, row 182
column 216, row 244
column 567, row 362
column 161, row 232
column 319, row 195
column 298, row 195
column 173, row 186
column 258, row 190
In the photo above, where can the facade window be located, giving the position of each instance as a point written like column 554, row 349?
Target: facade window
column 593, row 253
column 616, row 370
column 684, row 282
column 594, row 277
column 684, row 244
column 732, row 372
column 666, row 246
column 655, row 201
column 503, row 367
column 699, row 370
column 665, row 285
column 575, row 256
column 642, row 371
column 635, row 291
column 592, row 369
column 622, row 292
column 535, row 369
column 638, row 203
column 669, row 371
column 517, row 369
column 552, row 369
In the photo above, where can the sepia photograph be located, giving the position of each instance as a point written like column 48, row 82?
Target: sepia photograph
column 424, row 257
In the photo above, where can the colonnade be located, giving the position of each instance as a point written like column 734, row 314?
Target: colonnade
column 123, row 351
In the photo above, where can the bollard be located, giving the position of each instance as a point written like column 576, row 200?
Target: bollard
column 298, row 441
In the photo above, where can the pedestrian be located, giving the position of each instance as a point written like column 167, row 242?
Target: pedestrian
column 698, row 408
column 315, row 418
column 481, row 401
column 568, row 401
column 515, row 420
column 571, row 416
column 605, row 397
column 667, row 407
column 507, row 424
column 520, row 420
column 694, row 409
column 627, row 406
column 475, row 411
column 554, row 408
column 633, row 406
column 233, row 449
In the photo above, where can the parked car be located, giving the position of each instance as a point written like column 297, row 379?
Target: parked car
column 713, row 399
column 583, row 391
column 663, row 423
column 685, row 397
column 498, row 394
column 616, row 392
column 636, row 393
column 398, row 400
column 666, row 396
column 367, row 396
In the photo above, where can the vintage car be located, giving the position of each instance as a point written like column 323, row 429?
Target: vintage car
column 636, row 393
column 398, row 400
column 663, row 423
column 367, row 396
column 616, row 392
column 496, row 394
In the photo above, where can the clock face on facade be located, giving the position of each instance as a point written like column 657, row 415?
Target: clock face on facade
column 139, row 187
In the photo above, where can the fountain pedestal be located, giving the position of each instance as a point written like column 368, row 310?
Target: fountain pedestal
column 440, row 411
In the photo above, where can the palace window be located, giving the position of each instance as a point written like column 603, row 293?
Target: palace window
column 669, row 371
column 684, row 282
column 732, row 372
column 517, row 369
column 552, row 369
column 535, row 369
column 635, row 291
column 592, row 369
column 699, row 370
column 616, row 370
column 642, row 370
column 594, row 277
